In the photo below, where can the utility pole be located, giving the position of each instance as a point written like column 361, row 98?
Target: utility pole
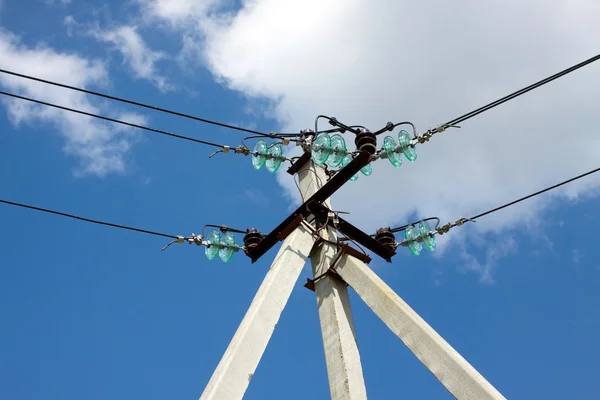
column 310, row 231
column 237, row 366
column 342, row 359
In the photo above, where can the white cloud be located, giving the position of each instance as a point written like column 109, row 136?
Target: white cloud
column 69, row 22
column 99, row 147
column 372, row 61
column 176, row 11
column 576, row 256
column 135, row 51
column 492, row 254
column 57, row 2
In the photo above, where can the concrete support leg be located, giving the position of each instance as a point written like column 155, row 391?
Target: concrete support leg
column 342, row 358
column 232, row 376
column 452, row 370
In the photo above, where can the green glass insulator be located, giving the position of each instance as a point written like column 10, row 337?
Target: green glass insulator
column 424, row 231
column 338, row 151
column 404, row 142
column 321, row 148
column 367, row 170
column 274, row 158
column 347, row 160
column 214, row 242
column 410, row 235
column 259, row 154
column 227, row 246
column 389, row 147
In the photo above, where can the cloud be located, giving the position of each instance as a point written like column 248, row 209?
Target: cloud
column 70, row 23
column 99, row 147
column 176, row 11
column 57, row 2
column 136, row 54
column 493, row 253
column 576, row 256
column 372, row 61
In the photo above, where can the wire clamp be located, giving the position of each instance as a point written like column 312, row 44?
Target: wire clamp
column 302, row 141
column 461, row 221
column 424, row 137
column 224, row 150
column 195, row 239
column 180, row 239
column 333, row 216
column 443, row 229
column 242, row 150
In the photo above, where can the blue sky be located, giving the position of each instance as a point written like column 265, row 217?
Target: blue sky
column 90, row 312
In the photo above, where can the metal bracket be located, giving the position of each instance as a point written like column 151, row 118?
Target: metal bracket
column 287, row 231
column 320, row 196
column 344, row 248
column 299, row 163
column 310, row 283
column 351, row 251
column 355, row 234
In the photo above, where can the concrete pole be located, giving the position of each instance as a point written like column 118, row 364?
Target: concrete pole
column 452, row 370
column 239, row 362
column 342, row 358
column 237, row 366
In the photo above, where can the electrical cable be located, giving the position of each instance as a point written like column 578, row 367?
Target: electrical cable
column 493, row 210
column 390, row 126
column 333, row 121
column 403, row 227
column 518, row 93
column 138, row 104
column 93, row 221
column 112, row 120
column 222, row 228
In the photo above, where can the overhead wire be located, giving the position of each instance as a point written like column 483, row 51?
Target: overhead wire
column 461, row 221
column 403, row 227
column 390, row 126
column 518, row 93
column 93, row 221
column 222, row 228
column 333, row 121
column 139, row 104
column 162, row 132
column 493, row 210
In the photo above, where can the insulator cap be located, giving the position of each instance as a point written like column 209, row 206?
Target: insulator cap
column 385, row 237
column 366, row 140
column 252, row 238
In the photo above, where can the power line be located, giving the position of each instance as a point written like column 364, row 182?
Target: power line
column 112, row 120
column 461, row 221
column 93, row 221
column 493, row 210
column 135, row 103
column 518, row 93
